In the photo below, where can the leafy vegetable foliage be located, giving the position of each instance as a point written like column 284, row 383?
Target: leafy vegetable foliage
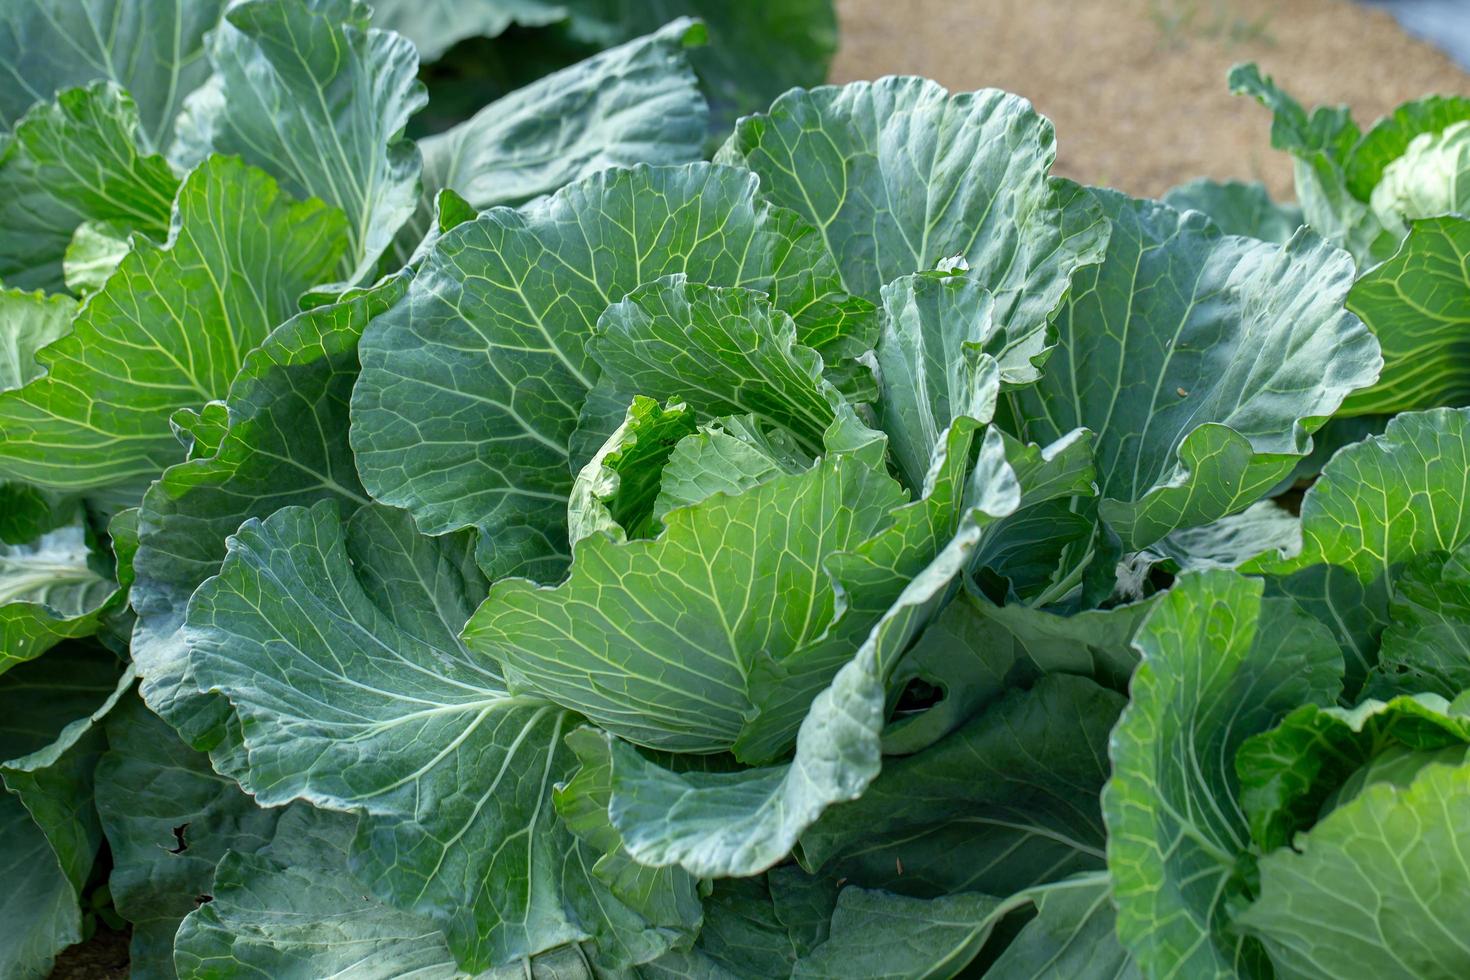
column 539, row 551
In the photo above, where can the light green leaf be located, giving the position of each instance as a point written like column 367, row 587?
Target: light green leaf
column 668, row 897
column 1418, row 306
column 471, row 388
column 50, row 590
column 636, row 103
column 294, row 910
column 1425, row 182
column 28, row 322
column 151, row 48
column 939, row 357
column 1264, row 528
column 1388, row 498
column 1391, row 137
column 1426, row 646
column 1288, row 774
column 1071, row 936
column 893, row 937
column 1006, row 802
column 290, row 73
column 742, row 822
column 899, row 174
column 1201, row 361
column 715, row 635
column 728, row 455
column 371, row 606
column 168, row 331
column 286, row 445
column 616, row 491
column 69, row 161
column 169, row 818
column 1239, row 208
column 1369, row 890
column 96, row 250
column 721, row 350
column 1220, row 663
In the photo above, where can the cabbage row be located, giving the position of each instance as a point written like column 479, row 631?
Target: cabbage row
column 534, row 549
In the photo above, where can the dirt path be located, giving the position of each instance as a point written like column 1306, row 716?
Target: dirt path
column 1138, row 107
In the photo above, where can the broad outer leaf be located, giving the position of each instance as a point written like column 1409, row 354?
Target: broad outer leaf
column 286, row 444
column 151, row 48
column 77, row 159
column 743, row 822
column 337, row 645
column 1219, row 665
column 168, row 331
column 899, row 174
column 893, row 937
column 294, row 910
column 1288, row 774
column 1418, row 306
column 49, row 833
column 1373, row 889
column 1426, row 646
column 169, row 818
column 702, row 639
column 471, row 388
column 307, row 91
column 723, row 350
column 49, row 591
column 1388, row 498
column 1239, row 208
column 1007, row 802
column 1202, row 362
column 636, row 103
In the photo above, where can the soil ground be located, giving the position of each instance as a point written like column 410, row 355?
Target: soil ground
column 1137, row 87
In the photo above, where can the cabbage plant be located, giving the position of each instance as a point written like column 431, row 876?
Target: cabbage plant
column 536, row 549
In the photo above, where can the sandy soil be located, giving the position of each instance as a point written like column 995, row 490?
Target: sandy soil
column 1137, row 106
